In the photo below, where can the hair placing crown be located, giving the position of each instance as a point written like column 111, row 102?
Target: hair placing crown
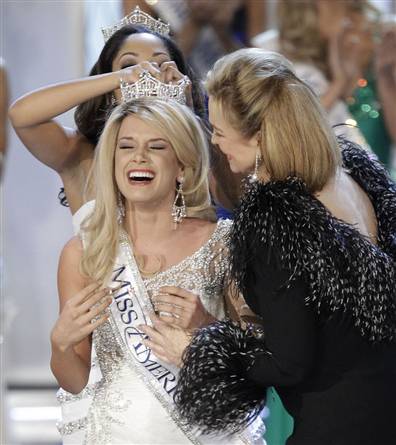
column 149, row 86
column 138, row 17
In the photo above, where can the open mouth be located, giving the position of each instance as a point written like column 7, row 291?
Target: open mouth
column 140, row 176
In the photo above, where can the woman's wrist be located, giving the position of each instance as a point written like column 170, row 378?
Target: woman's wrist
column 60, row 347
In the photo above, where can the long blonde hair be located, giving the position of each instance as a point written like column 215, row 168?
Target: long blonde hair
column 259, row 93
column 181, row 128
column 299, row 35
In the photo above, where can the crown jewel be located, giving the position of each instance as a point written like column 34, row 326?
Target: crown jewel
column 149, row 86
column 138, row 17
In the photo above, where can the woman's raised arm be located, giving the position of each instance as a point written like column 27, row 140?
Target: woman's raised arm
column 32, row 117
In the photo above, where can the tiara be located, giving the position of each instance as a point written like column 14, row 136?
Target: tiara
column 149, row 86
column 138, row 17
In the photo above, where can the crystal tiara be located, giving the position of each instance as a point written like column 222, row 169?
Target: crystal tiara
column 138, row 17
column 149, row 86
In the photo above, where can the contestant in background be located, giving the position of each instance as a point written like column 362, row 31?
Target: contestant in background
column 5, row 306
column 207, row 29
column 152, row 226
column 346, row 52
column 3, row 115
column 313, row 252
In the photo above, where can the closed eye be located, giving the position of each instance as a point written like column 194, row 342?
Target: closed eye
column 124, row 146
column 126, row 65
column 157, row 147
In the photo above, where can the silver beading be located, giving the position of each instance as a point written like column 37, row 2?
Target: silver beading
column 254, row 175
column 179, row 210
column 138, row 17
column 120, row 209
column 149, row 86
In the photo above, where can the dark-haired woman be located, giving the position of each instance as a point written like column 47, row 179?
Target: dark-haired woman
column 69, row 152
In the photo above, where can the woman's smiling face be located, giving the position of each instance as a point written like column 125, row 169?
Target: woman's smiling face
column 146, row 166
column 239, row 150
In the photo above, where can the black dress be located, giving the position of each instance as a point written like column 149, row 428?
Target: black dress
column 327, row 298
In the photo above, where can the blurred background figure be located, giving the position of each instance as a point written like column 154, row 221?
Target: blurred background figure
column 346, row 50
column 207, row 29
column 5, row 309
column 3, row 114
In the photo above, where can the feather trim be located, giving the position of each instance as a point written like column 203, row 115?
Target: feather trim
column 213, row 392
column 345, row 271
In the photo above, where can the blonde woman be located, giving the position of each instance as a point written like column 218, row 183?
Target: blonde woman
column 345, row 50
column 152, row 234
column 313, row 252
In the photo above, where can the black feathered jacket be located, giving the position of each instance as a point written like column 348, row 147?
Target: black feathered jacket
column 327, row 297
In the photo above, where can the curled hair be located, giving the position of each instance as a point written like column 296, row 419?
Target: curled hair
column 178, row 125
column 90, row 116
column 259, row 94
column 299, row 36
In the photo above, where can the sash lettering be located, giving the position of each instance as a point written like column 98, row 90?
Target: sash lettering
column 128, row 312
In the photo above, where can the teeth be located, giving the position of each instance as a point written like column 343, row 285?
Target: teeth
column 146, row 175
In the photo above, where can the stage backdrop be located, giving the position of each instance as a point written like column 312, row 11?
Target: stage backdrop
column 42, row 42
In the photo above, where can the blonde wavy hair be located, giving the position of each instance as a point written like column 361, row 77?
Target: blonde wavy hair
column 259, row 94
column 180, row 127
column 299, row 34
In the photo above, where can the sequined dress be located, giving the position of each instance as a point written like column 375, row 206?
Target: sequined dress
column 133, row 403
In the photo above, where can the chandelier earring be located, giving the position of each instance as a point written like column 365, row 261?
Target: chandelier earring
column 179, row 205
column 120, row 209
column 254, row 176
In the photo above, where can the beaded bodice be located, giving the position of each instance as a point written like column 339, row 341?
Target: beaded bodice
column 202, row 273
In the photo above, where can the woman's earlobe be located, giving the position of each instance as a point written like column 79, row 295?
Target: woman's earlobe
column 258, row 138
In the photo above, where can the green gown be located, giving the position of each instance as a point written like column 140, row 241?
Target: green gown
column 367, row 111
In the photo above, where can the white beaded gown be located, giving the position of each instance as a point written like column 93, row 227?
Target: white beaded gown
column 133, row 403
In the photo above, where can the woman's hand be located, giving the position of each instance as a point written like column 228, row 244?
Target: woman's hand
column 349, row 50
column 80, row 315
column 385, row 56
column 171, row 74
column 179, row 307
column 166, row 73
column 167, row 342
column 131, row 74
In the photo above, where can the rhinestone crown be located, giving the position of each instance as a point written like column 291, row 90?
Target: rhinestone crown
column 149, row 86
column 138, row 17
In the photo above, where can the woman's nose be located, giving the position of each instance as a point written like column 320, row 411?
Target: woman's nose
column 140, row 155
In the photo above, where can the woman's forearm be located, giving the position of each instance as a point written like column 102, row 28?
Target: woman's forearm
column 46, row 103
column 386, row 84
column 69, row 369
column 332, row 95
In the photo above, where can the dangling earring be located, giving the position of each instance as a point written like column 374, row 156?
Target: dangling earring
column 120, row 209
column 179, row 206
column 254, row 176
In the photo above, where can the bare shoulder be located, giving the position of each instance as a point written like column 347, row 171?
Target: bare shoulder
column 200, row 227
column 72, row 250
column 201, row 231
column 70, row 279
